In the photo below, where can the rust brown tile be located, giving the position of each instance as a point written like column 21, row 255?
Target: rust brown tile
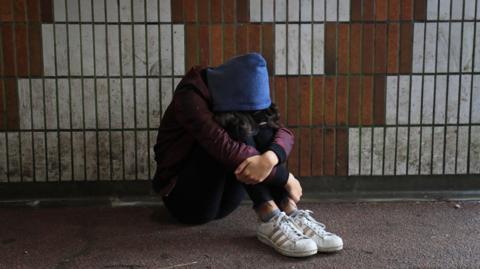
column 317, row 102
column 267, row 46
column 393, row 45
column 381, row 10
column 341, row 158
column 271, row 84
column 6, row 12
column 280, row 96
column 229, row 32
column 356, row 10
column 394, row 10
column 216, row 44
column 367, row 48
column 204, row 44
column 20, row 11
column 368, row 10
column 341, row 100
column 21, row 49
column 380, row 48
column 176, row 7
column 35, row 49
column 355, row 48
column 354, row 101
column 46, row 10
column 330, row 48
column 305, row 146
column 242, row 39
column 343, row 44
column 367, row 100
column 379, row 100
column 9, row 119
column 229, row 11
column 304, row 87
column 292, row 100
column 8, row 49
column 33, row 10
column 190, row 10
column 329, row 152
column 191, row 45
column 420, row 10
column 203, row 14
column 317, row 152
column 216, row 11
column 406, row 47
column 330, row 100
column 243, row 8
column 406, row 12
column 292, row 162
column 254, row 38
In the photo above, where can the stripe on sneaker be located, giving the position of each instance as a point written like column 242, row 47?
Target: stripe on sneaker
column 308, row 231
column 281, row 238
column 278, row 236
column 281, row 242
column 274, row 231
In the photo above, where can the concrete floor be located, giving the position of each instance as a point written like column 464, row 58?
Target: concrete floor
column 376, row 235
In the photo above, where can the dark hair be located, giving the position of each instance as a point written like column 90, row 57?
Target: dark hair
column 240, row 124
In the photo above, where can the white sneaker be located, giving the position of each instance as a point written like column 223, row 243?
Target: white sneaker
column 284, row 236
column 326, row 241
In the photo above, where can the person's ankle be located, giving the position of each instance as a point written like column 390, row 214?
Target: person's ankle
column 267, row 211
column 289, row 206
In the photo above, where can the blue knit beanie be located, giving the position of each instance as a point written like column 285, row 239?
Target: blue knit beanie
column 240, row 84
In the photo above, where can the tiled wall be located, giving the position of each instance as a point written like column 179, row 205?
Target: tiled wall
column 370, row 87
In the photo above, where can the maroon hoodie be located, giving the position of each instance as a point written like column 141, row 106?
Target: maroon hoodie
column 188, row 120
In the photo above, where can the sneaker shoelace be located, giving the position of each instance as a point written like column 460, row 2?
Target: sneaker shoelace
column 289, row 227
column 313, row 224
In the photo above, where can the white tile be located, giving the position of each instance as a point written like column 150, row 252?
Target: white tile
column 450, row 148
column 13, row 156
column 416, row 100
column 87, row 51
column 3, row 157
column 152, row 10
column 140, row 50
column 153, row 52
column 178, row 49
column 154, row 105
column 141, row 102
column 440, row 98
column 103, row 105
column 457, row 10
column 378, row 154
column 142, row 155
column 53, row 164
column 255, row 10
column 455, row 46
column 113, row 50
column 26, row 162
column 391, row 105
column 117, row 155
column 418, row 52
column 414, row 151
column 366, row 151
column 319, row 10
column 85, row 10
column 467, row 47
column 91, row 153
column 426, row 151
column 98, row 11
column 280, row 49
column 280, row 10
column 452, row 100
column 128, row 103
column 462, row 151
column 476, row 59
column 125, row 11
column 167, row 92
column 438, row 140
column 90, row 97
column 153, row 164
column 76, row 97
column 403, row 99
column 343, row 10
column 442, row 47
column 165, row 14
column 166, row 49
column 63, row 101
column 72, row 10
column 37, row 104
column 24, row 106
column 432, row 9
column 39, row 154
column 402, row 143
column 465, row 90
column 293, row 10
column 79, row 157
column 444, row 10
column 318, row 48
column 474, row 150
column 427, row 108
column 430, row 47
column 331, row 10
column 305, row 49
column 469, row 9
column 61, row 49
column 104, row 155
column 305, row 10
column 50, row 104
column 476, row 100
column 126, row 49
column 139, row 10
column 267, row 15
column 48, row 49
column 112, row 11
column 66, row 161
column 59, row 9
column 389, row 160
column 100, row 51
column 116, row 103
column 129, row 155
column 353, row 151
column 293, row 43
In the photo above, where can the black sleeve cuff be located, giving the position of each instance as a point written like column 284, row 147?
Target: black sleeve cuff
column 279, row 151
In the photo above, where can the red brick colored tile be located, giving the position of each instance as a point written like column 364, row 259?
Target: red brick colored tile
column 343, row 44
column 420, row 10
column 330, row 48
column 203, row 12
column 243, row 8
column 318, row 104
column 354, row 101
column 204, row 44
column 21, row 49
column 367, row 100
column 381, row 10
column 317, row 152
column 394, row 10
column 280, row 96
column 19, row 12
column 292, row 100
column 355, row 48
column 292, row 161
column 341, row 100
column 305, row 152
column 191, row 45
column 216, row 11
column 406, row 47
column 229, row 32
column 330, row 100
column 33, row 11
column 379, row 100
column 393, row 45
column 176, row 7
column 216, row 44
column 190, row 10
column 367, row 49
column 229, row 11
column 6, row 12
column 46, row 10
column 341, row 158
column 406, row 12
column 242, row 39
column 356, row 10
column 8, row 49
column 329, row 152
column 368, row 10
column 267, row 46
column 304, row 88
column 254, row 38
column 271, row 84
column 9, row 119
column 35, row 50
column 380, row 48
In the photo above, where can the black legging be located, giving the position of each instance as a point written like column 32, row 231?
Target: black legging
column 206, row 190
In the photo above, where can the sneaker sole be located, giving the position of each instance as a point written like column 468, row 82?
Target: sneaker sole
column 331, row 249
column 267, row 241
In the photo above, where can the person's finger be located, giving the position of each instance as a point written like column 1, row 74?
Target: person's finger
column 241, row 167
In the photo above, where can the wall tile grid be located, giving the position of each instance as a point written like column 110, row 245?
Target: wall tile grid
column 370, row 87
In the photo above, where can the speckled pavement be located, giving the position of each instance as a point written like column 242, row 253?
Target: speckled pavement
column 375, row 234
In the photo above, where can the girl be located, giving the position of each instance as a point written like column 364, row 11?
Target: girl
column 221, row 136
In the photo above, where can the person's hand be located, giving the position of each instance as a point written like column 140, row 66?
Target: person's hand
column 255, row 169
column 294, row 188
